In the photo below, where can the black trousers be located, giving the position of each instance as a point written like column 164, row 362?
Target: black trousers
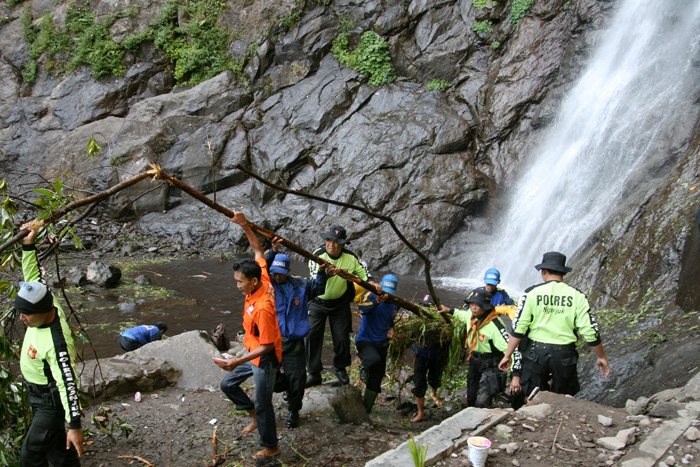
column 543, row 363
column 128, row 344
column 340, row 320
column 46, row 439
column 426, row 371
column 294, row 366
column 484, row 380
column 373, row 358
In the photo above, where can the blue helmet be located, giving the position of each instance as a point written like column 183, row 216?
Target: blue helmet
column 389, row 283
column 492, row 277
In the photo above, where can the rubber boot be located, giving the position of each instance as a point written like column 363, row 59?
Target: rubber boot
column 368, row 399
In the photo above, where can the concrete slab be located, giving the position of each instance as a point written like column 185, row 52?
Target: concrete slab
column 439, row 439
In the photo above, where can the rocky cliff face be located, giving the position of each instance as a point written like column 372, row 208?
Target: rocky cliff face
column 428, row 159
column 433, row 160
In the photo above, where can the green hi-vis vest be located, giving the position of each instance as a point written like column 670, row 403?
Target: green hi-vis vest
column 492, row 333
column 336, row 285
column 48, row 352
column 552, row 313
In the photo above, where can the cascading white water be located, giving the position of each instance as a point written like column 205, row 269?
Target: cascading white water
column 621, row 119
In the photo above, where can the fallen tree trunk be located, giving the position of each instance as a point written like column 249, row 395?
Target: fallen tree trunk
column 417, row 309
column 387, row 219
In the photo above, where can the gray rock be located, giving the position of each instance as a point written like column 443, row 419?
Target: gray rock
column 124, row 375
column 666, row 410
column 77, row 277
column 191, row 351
column 129, row 249
column 142, row 280
column 670, row 461
column 127, row 307
column 347, row 403
column 539, row 411
column 610, row 443
column 627, row 436
column 501, row 428
column 692, row 434
column 510, row 447
column 636, row 407
column 605, row 421
column 102, row 274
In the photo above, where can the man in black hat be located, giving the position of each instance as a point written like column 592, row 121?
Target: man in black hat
column 550, row 314
column 333, row 304
column 487, row 339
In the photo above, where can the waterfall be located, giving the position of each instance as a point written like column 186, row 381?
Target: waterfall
column 615, row 128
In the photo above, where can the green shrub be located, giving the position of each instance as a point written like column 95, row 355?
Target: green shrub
column 482, row 27
column 495, row 45
column 291, row 19
column 370, row 57
column 437, row 84
column 519, row 9
column 481, row 4
column 197, row 48
column 29, row 71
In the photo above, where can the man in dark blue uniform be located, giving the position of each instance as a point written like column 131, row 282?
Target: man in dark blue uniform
column 292, row 296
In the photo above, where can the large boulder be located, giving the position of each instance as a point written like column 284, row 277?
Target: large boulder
column 125, row 374
column 102, row 274
column 193, row 352
column 335, row 400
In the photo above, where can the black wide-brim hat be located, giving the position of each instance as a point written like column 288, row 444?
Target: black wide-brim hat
column 337, row 234
column 481, row 297
column 553, row 261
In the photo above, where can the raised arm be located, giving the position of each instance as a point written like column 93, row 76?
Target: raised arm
column 239, row 218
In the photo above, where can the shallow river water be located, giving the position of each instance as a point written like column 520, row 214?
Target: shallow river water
column 204, row 294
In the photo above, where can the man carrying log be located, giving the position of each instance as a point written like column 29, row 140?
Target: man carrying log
column 550, row 314
column 333, row 304
column 263, row 342
column 292, row 295
column 372, row 341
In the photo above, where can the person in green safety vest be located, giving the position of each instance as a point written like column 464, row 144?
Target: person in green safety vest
column 550, row 314
column 487, row 340
column 47, row 363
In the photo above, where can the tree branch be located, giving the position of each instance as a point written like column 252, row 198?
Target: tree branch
column 382, row 217
column 76, row 204
column 159, row 174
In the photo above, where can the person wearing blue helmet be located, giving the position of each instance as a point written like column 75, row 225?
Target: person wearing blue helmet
column 292, row 297
column 492, row 278
column 372, row 341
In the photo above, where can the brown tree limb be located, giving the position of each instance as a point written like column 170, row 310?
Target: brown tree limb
column 138, row 459
column 159, row 174
column 382, row 217
column 76, row 204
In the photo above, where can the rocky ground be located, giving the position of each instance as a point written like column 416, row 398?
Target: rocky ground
column 175, row 427
column 172, row 427
column 569, row 432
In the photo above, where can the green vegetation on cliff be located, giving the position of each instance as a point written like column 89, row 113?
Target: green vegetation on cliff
column 370, row 57
column 187, row 32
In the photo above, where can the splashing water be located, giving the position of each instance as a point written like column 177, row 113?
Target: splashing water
column 624, row 118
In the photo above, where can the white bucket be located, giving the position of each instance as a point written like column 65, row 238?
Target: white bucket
column 478, row 450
